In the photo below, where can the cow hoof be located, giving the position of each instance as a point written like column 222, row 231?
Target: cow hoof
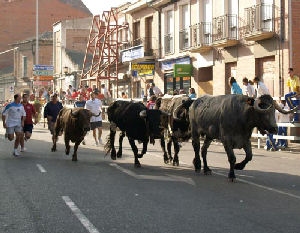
column 232, row 180
column 119, row 154
column 175, row 163
column 137, row 165
column 207, row 172
column 197, row 170
column 53, row 150
column 166, row 161
column 231, row 176
column 74, row 160
column 239, row 166
column 140, row 156
column 113, row 157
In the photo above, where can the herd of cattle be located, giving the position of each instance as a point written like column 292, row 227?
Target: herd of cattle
column 228, row 118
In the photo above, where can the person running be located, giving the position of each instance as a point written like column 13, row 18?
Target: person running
column 95, row 105
column 235, row 88
column 51, row 111
column 13, row 118
column 28, row 124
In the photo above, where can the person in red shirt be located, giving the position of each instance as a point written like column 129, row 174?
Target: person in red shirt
column 28, row 124
column 151, row 103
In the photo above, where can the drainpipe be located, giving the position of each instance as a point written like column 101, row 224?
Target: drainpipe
column 290, row 34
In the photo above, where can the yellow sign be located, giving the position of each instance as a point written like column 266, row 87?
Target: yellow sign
column 142, row 66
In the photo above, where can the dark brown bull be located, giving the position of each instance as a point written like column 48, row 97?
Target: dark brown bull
column 75, row 123
column 176, row 130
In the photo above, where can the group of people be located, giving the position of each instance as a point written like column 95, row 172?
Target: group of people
column 20, row 116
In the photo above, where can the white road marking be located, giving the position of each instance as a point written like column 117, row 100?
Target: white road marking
column 81, row 217
column 40, row 167
column 261, row 186
column 171, row 178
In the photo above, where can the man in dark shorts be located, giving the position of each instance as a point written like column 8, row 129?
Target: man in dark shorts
column 51, row 112
column 28, row 124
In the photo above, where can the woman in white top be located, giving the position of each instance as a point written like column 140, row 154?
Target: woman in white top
column 260, row 88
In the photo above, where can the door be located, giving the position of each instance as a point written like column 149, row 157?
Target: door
column 265, row 69
column 267, row 15
column 230, row 71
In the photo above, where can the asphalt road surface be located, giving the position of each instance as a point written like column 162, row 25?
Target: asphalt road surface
column 43, row 191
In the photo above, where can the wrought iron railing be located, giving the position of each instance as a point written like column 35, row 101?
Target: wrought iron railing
column 201, row 34
column 225, row 27
column 169, row 43
column 149, row 43
column 184, row 39
column 260, row 18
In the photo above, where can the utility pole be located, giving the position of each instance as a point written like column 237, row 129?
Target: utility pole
column 37, row 34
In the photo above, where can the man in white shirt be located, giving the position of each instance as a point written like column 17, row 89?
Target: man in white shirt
column 156, row 90
column 106, row 94
column 95, row 106
column 260, row 88
column 247, row 88
column 13, row 118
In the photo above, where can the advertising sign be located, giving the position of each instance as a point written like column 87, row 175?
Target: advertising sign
column 132, row 53
column 169, row 64
column 142, row 69
column 43, row 72
column 183, row 70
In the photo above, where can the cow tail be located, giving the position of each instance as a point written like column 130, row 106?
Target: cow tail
column 58, row 125
column 107, row 146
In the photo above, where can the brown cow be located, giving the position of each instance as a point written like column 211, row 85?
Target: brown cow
column 75, row 123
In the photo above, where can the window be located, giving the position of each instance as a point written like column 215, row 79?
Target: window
column 185, row 18
column 169, row 34
column 24, row 66
column 184, row 28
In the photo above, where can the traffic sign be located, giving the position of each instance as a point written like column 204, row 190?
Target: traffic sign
column 11, row 89
column 43, row 72
column 43, row 67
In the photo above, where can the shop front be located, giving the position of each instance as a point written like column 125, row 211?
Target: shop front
column 177, row 75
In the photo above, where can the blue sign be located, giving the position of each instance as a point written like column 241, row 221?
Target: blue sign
column 132, row 53
column 169, row 64
column 42, row 67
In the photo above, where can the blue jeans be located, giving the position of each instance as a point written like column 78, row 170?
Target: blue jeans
column 292, row 103
column 271, row 142
column 282, row 131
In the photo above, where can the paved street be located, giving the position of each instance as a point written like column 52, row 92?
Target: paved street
column 47, row 192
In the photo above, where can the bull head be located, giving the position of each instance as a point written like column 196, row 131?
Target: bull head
column 75, row 113
column 185, row 105
column 259, row 109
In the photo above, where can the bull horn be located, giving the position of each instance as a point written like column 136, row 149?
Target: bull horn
column 259, row 109
column 175, row 113
column 277, row 107
column 143, row 114
column 74, row 114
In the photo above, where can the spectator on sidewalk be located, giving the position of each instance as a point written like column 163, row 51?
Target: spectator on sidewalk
column 235, row 88
column 248, row 88
column 192, row 93
column 157, row 92
column 260, row 87
column 294, row 87
column 13, row 118
column 151, row 102
column 282, row 118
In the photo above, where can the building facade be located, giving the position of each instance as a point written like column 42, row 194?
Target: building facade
column 202, row 43
column 69, row 46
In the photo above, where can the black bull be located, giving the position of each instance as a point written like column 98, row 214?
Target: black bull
column 134, row 121
column 230, row 119
column 174, row 130
column 75, row 123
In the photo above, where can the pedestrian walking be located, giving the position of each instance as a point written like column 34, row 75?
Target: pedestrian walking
column 235, row 88
column 248, row 89
column 260, row 87
column 95, row 106
column 51, row 111
column 13, row 118
column 294, row 87
column 28, row 123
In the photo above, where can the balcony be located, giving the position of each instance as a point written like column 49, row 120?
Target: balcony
column 201, row 37
column 225, row 31
column 260, row 23
column 141, row 48
column 169, row 44
column 184, row 39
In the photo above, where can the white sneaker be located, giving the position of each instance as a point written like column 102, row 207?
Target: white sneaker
column 23, row 149
column 96, row 143
column 100, row 141
column 16, row 153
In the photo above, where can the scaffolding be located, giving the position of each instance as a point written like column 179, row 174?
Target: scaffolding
column 101, row 59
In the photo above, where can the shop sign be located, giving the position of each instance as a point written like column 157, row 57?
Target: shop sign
column 132, row 53
column 169, row 64
column 183, row 70
column 142, row 69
